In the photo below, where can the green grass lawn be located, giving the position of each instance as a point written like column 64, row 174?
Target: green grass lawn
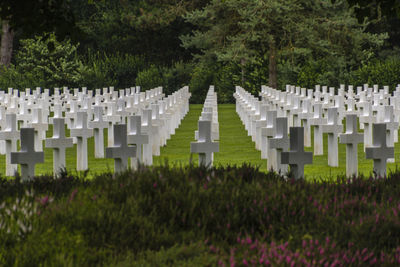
column 235, row 148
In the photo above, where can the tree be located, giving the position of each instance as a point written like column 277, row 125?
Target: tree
column 149, row 28
column 34, row 17
column 244, row 32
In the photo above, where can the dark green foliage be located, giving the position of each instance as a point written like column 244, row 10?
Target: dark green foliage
column 45, row 62
column 196, row 216
column 150, row 78
column 118, row 70
column 378, row 72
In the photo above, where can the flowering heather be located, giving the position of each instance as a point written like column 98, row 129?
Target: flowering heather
column 231, row 216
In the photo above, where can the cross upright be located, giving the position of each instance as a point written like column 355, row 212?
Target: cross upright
column 351, row 138
column 262, row 122
column 367, row 118
column 318, row 121
column 120, row 152
column 98, row 125
column 333, row 128
column 268, row 132
column 40, row 126
column 157, row 129
column 279, row 143
column 82, row 133
column 204, row 146
column 112, row 118
column 136, row 137
column 59, row 142
column 148, row 129
column 297, row 157
column 10, row 135
column 379, row 152
column 391, row 127
column 27, row 157
column 305, row 117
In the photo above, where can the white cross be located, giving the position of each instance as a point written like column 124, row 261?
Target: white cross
column 297, row 157
column 120, row 152
column 367, row 119
column 267, row 132
column 157, row 128
column 147, row 129
column 136, row 137
column 391, row 127
column 10, row 135
column 112, row 118
column 59, row 142
column 351, row 138
column 333, row 129
column 262, row 122
column 280, row 143
column 318, row 121
column 305, row 117
column 379, row 152
column 204, row 146
column 40, row 125
column 98, row 125
column 82, row 133
column 27, row 157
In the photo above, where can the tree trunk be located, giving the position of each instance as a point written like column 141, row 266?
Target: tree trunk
column 7, row 38
column 272, row 77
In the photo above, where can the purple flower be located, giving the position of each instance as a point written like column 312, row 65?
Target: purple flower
column 73, row 194
column 44, row 200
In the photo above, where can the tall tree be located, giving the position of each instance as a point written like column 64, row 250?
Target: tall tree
column 149, row 28
column 244, row 31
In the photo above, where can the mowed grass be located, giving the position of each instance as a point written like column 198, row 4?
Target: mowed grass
column 236, row 148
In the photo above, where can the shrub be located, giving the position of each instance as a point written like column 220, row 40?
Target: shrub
column 150, row 78
column 118, row 70
column 177, row 216
column 177, row 76
column 378, row 72
column 44, row 61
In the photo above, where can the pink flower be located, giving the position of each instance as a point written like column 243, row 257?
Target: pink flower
column 245, row 263
column 73, row 194
column 44, row 200
column 155, row 185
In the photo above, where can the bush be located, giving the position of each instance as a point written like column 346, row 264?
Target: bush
column 177, row 76
column 118, row 70
column 150, row 78
column 378, row 72
column 46, row 62
column 179, row 216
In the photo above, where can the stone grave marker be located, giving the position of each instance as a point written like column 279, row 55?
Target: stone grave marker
column 137, row 138
column 351, row 138
column 120, row 152
column 318, row 121
column 297, row 157
column 204, row 146
column 40, row 125
column 59, row 142
column 379, row 152
column 280, row 143
column 10, row 135
column 98, row 125
column 82, row 133
column 27, row 157
column 333, row 129
column 267, row 132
